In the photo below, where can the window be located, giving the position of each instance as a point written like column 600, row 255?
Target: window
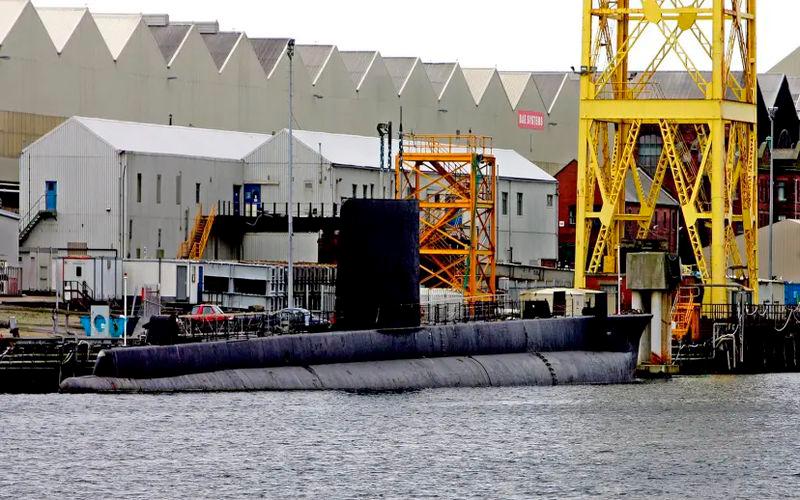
column 159, row 238
column 781, row 191
column 364, row 190
column 197, row 192
column 130, row 228
column 178, row 189
column 138, row 188
column 355, row 190
column 572, row 216
column 372, row 190
column 138, row 253
column 158, row 188
column 519, row 203
column 549, row 200
column 650, row 146
column 78, row 271
column 781, row 217
column 504, row 203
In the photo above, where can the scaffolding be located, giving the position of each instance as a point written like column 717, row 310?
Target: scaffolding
column 454, row 178
column 708, row 131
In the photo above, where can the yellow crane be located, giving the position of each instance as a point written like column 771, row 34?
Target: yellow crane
column 708, row 131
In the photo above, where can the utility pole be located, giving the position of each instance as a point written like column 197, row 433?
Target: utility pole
column 290, row 266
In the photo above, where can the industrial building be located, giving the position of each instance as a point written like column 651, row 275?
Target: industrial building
column 61, row 62
column 112, row 188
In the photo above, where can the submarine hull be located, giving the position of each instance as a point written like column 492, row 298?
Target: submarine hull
column 530, row 352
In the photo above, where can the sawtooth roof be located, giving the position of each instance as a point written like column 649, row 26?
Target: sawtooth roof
column 220, row 45
column 358, row 64
column 269, row 51
column 60, row 23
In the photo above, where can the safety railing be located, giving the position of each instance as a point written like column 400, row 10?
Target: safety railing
column 28, row 216
column 322, row 210
column 461, row 143
column 207, row 223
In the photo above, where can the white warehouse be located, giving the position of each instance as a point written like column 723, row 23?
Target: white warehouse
column 129, row 189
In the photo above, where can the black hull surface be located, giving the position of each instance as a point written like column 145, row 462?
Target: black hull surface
column 530, row 352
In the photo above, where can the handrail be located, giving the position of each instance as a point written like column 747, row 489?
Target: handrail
column 30, row 214
column 199, row 248
column 185, row 248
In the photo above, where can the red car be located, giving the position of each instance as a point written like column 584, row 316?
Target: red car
column 208, row 313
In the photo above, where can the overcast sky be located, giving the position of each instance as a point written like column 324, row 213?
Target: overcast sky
column 506, row 34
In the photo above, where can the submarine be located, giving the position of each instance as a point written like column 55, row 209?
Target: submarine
column 380, row 344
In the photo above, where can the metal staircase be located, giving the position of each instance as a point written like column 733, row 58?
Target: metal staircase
column 195, row 245
column 31, row 219
column 686, row 313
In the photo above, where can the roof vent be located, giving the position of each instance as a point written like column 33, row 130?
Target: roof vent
column 156, row 19
column 207, row 28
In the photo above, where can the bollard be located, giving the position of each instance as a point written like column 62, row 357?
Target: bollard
column 12, row 327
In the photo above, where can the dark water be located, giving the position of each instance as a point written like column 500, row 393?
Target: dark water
column 708, row 437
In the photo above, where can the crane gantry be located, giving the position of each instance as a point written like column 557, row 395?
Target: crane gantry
column 708, row 132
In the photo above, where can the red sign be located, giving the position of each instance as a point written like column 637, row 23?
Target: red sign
column 533, row 120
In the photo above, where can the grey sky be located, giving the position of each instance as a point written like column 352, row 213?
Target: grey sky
column 507, row 34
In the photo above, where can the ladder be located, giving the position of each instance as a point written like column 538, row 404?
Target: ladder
column 195, row 245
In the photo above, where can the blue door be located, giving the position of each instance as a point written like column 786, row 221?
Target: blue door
column 50, row 191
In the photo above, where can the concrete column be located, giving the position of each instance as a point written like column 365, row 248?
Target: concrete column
column 655, row 324
column 637, row 304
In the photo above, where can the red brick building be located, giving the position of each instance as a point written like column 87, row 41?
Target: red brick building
column 664, row 224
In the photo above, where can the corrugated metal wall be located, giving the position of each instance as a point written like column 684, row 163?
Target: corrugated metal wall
column 18, row 130
column 215, row 177
column 533, row 236
column 273, row 247
column 87, row 173
column 313, row 179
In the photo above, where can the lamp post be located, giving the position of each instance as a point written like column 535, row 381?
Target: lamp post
column 290, row 266
column 383, row 131
column 772, row 112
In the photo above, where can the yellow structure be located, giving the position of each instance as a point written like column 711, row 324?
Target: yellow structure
column 716, row 179
column 455, row 180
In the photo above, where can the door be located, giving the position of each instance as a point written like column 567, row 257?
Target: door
column 180, row 284
column 252, row 199
column 237, row 194
column 50, row 191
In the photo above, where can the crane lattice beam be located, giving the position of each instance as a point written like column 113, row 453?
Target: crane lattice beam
column 714, row 42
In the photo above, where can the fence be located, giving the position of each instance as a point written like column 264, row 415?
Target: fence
column 10, row 280
column 279, row 209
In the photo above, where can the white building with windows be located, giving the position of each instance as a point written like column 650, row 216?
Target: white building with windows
column 116, row 188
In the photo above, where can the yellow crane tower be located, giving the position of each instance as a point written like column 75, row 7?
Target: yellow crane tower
column 709, row 135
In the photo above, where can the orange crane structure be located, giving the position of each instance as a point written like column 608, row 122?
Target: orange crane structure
column 454, row 178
